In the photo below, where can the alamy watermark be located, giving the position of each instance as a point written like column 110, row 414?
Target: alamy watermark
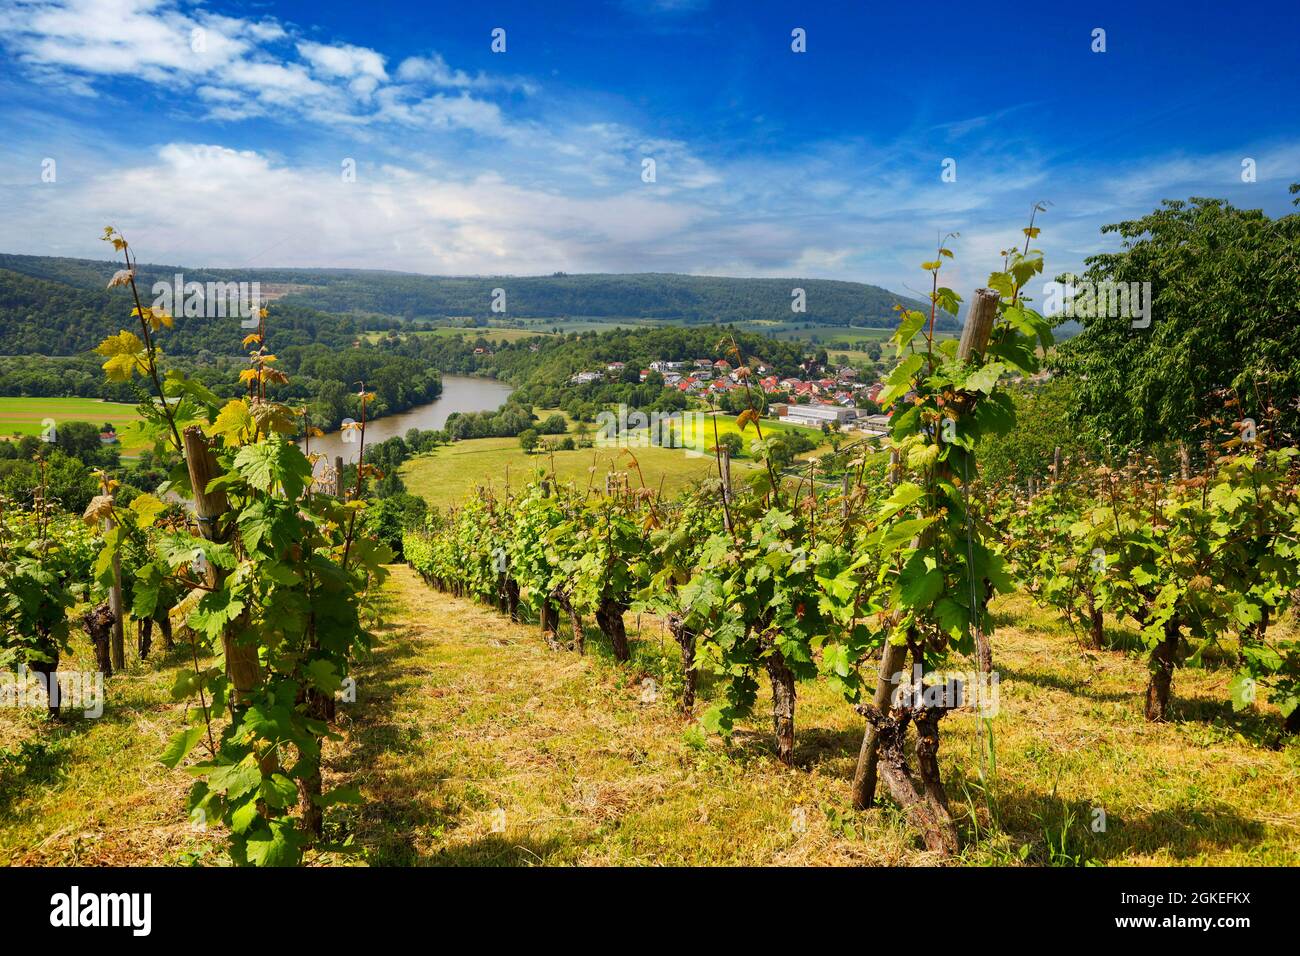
column 80, row 690
column 1080, row 299
column 211, row 300
column 949, row 690
column 74, row 908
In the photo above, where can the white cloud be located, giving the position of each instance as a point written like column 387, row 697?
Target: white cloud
column 450, row 181
column 79, row 44
column 344, row 60
column 207, row 204
column 434, row 69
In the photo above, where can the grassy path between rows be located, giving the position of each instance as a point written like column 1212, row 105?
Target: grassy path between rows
column 474, row 744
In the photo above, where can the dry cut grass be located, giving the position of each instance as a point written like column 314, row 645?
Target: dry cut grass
column 474, row 744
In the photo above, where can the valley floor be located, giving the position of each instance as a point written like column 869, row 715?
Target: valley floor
column 474, row 744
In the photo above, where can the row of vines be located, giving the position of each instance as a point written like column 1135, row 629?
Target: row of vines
column 264, row 562
column 878, row 587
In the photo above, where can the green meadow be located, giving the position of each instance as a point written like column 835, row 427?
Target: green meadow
column 450, row 474
column 26, row 416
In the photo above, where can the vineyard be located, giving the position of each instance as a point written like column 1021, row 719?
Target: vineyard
column 879, row 588
column 879, row 596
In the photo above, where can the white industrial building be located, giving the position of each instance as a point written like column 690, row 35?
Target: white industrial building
column 815, row 416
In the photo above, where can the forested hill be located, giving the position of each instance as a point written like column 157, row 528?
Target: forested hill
column 667, row 297
column 49, row 317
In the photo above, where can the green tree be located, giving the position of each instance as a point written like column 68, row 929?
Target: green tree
column 733, row 443
column 553, row 425
column 1042, row 426
column 528, row 440
column 78, row 440
column 1225, row 283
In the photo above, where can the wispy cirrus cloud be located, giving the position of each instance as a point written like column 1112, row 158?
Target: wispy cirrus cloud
column 434, row 69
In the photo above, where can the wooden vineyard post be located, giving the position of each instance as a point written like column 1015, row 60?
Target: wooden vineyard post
column 974, row 340
column 724, row 478
column 242, row 665
column 118, row 643
column 338, row 476
column 1056, row 465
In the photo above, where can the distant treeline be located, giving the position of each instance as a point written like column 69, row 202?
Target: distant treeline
column 49, row 316
column 326, row 380
column 664, row 296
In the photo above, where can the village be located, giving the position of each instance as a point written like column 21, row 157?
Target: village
column 835, row 400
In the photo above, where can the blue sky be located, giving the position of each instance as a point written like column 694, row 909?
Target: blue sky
column 227, row 146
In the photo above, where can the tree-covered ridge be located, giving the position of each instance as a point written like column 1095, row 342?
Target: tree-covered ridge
column 41, row 316
column 664, row 297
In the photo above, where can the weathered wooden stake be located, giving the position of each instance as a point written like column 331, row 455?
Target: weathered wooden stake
column 974, row 340
column 115, row 595
column 724, row 475
column 242, row 665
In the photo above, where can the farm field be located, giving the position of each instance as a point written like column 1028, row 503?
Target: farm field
column 831, row 338
column 852, row 355
column 828, row 336
column 453, row 472
column 494, row 335
column 825, row 335
column 461, row 714
column 24, row 416
column 450, row 474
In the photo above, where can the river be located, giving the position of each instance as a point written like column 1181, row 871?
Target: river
column 460, row 393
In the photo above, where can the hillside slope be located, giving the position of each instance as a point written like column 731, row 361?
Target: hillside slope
column 50, row 316
column 473, row 744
